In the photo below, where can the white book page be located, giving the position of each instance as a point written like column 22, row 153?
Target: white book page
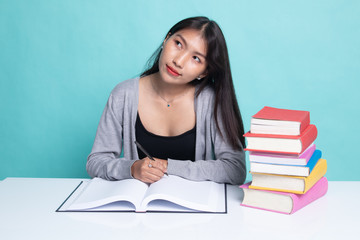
column 274, row 144
column 279, row 169
column 188, row 195
column 268, row 200
column 100, row 192
column 265, row 129
column 279, row 182
column 275, row 122
column 276, row 159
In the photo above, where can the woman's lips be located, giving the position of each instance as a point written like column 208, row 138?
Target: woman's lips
column 172, row 71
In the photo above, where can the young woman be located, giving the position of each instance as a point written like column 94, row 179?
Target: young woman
column 182, row 110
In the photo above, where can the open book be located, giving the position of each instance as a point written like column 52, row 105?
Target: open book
column 170, row 194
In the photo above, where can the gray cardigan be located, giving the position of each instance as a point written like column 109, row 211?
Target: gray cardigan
column 215, row 160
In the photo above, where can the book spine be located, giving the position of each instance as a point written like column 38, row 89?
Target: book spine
column 314, row 159
column 305, row 123
column 308, row 137
column 317, row 191
column 308, row 152
column 317, row 173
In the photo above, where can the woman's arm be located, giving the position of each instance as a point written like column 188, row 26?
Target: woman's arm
column 104, row 160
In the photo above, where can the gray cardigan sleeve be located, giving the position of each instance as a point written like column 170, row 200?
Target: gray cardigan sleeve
column 228, row 167
column 104, row 160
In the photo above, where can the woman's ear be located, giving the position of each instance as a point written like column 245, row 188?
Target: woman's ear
column 204, row 74
column 167, row 37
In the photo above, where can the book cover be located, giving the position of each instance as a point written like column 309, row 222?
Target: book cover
column 289, row 115
column 282, row 202
column 287, row 169
column 285, row 183
column 288, row 159
column 281, row 143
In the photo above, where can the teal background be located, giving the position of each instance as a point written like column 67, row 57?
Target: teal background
column 59, row 60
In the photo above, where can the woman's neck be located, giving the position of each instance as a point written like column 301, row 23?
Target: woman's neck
column 166, row 90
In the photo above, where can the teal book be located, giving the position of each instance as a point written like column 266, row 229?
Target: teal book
column 314, row 159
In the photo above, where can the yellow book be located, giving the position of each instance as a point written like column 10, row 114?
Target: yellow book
column 286, row 183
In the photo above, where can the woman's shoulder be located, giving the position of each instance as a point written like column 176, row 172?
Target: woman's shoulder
column 129, row 86
column 206, row 94
column 205, row 100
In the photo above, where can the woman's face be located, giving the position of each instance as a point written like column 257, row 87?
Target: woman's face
column 183, row 57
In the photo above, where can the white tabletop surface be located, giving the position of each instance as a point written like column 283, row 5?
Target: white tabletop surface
column 27, row 211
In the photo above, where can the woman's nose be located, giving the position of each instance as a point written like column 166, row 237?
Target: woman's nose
column 179, row 60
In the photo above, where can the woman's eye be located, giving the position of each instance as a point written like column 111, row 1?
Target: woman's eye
column 196, row 58
column 178, row 43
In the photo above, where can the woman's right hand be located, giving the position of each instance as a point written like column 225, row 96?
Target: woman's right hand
column 149, row 171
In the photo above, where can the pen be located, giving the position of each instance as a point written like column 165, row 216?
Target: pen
column 146, row 153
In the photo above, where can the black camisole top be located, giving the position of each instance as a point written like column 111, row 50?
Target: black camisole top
column 181, row 147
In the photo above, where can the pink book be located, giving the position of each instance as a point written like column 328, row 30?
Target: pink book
column 288, row 159
column 282, row 202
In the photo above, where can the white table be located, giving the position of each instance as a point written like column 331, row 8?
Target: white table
column 27, row 211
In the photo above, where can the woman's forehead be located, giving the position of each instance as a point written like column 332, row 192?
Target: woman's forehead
column 193, row 38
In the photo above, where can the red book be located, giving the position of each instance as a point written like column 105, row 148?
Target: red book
column 281, row 143
column 279, row 121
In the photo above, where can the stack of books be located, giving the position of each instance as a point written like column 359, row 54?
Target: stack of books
column 287, row 169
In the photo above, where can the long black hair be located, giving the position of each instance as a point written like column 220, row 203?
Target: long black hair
column 218, row 76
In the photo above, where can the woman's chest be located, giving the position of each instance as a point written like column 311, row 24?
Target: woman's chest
column 167, row 121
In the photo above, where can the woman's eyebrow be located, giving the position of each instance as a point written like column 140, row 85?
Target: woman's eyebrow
column 196, row 52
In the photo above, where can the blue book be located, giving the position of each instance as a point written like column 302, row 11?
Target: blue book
column 313, row 160
column 283, row 169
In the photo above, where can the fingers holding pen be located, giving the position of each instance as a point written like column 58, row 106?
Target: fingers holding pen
column 155, row 165
column 160, row 164
column 148, row 171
